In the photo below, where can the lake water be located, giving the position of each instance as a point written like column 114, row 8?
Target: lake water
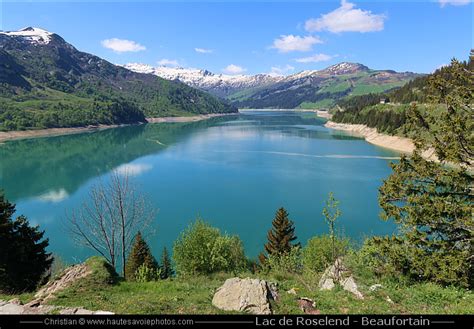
column 233, row 171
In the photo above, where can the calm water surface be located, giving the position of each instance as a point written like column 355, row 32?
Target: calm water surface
column 233, row 171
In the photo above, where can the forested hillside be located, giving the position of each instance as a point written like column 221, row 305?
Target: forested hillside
column 46, row 82
column 388, row 111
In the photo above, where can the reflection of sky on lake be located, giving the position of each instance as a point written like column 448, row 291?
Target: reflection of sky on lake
column 232, row 171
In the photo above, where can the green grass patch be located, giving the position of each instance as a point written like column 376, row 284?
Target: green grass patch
column 193, row 295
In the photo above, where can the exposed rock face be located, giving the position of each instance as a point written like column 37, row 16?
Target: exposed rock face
column 338, row 273
column 36, row 306
column 244, row 295
column 70, row 275
column 350, row 285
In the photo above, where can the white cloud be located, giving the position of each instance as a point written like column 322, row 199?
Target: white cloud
column 281, row 70
column 454, row 2
column 287, row 43
column 234, row 69
column 133, row 169
column 347, row 19
column 168, row 62
column 314, row 59
column 122, row 45
column 203, row 50
column 53, row 196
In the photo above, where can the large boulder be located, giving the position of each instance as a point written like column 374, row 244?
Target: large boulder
column 244, row 295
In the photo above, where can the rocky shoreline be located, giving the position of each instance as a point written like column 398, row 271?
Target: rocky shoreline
column 36, row 133
column 396, row 143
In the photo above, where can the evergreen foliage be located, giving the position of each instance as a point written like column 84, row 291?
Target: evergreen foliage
column 280, row 236
column 431, row 201
column 389, row 119
column 24, row 262
column 166, row 266
column 55, row 85
column 140, row 255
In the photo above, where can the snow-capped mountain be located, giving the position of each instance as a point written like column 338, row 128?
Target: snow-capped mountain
column 41, row 68
column 32, row 34
column 218, row 84
column 302, row 86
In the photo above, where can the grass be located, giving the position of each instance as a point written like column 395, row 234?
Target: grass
column 104, row 290
column 193, row 295
column 325, row 103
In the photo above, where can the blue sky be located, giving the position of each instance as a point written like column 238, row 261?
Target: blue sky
column 248, row 37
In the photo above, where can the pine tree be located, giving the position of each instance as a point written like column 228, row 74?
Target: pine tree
column 24, row 261
column 140, row 254
column 432, row 202
column 166, row 267
column 280, row 236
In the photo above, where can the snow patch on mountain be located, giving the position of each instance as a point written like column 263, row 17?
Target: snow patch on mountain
column 32, row 34
column 204, row 78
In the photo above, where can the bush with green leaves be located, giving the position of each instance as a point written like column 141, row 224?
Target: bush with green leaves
column 318, row 252
column 203, row 249
column 287, row 262
column 145, row 273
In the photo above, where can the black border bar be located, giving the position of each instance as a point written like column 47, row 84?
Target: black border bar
column 240, row 321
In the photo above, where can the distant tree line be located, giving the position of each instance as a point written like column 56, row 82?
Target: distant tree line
column 363, row 110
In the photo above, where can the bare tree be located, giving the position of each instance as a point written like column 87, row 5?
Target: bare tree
column 109, row 219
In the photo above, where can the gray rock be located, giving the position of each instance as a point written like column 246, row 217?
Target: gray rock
column 69, row 276
column 103, row 313
column 327, row 284
column 11, row 308
column 332, row 275
column 339, row 274
column 243, row 295
column 350, row 285
column 273, row 289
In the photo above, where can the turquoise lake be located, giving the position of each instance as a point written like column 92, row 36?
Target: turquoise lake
column 233, row 171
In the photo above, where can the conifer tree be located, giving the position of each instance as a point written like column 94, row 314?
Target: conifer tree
column 166, row 267
column 432, row 202
column 140, row 254
column 24, row 261
column 280, row 236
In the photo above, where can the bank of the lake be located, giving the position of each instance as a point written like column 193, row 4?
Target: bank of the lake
column 371, row 135
column 50, row 132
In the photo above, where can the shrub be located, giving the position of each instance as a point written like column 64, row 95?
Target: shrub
column 288, row 262
column 317, row 254
column 147, row 274
column 202, row 249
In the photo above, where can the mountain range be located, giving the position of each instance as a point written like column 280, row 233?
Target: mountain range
column 306, row 89
column 46, row 82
